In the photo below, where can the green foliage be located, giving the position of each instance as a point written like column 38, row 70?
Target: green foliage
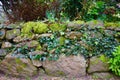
column 115, row 61
column 51, row 16
column 70, row 47
column 34, row 27
column 97, row 44
column 95, row 10
column 71, row 7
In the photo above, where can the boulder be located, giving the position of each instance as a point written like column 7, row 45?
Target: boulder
column 10, row 34
column 72, row 66
column 2, row 34
column 98, row 64
column 17, row 66
column 6, row 45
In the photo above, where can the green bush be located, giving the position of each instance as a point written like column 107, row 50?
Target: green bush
column 95, row 10
column 115, row 61
column 71, row 7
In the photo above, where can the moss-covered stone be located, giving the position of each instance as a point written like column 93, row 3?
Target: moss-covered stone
column 98, row 64
column 30, row 28
column 10, row 34
column 95, row 24
column 17, row 66
column 57, row 27
column 112, row 24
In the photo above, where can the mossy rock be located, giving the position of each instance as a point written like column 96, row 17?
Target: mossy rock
column 98, row 64
column 40, row 28
column 93, row 24
column 76, row 25
column 57, row 27
column 112, row 24
column 31, row 28
column 19, row 67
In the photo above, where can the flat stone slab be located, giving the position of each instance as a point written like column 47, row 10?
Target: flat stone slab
column 71, row 66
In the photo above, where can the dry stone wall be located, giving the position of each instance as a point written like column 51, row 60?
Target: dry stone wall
column 70, row 66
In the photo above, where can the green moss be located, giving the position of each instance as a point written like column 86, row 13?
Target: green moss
column 18, row 61
column 112, row 24
column 27, row 28
column 103, row 58
column 55, row 73
column 31, row 28
column 79, row 22
column 40, row 28
column 39, row 47
column 57, row 27
column 62, row 40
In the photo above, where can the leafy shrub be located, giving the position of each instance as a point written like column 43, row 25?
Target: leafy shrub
column 115, row 61
column 71, row 7
column 95, row 10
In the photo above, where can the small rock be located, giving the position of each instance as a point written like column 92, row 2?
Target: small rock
column 2, row 34
column 3, row 52
column 12, row 26
column 36, row 53
column 73, row 35
column 37, row 63
column 75, row 24
column 32, row 43
column 17, row 66
column 10, row 34
column 98, row 64
column 6, row 45
column 44, row 35
column 19, row 39
column 72, row 66
column 29, row 44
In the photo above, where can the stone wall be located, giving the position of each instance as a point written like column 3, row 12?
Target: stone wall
column 71, row 66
